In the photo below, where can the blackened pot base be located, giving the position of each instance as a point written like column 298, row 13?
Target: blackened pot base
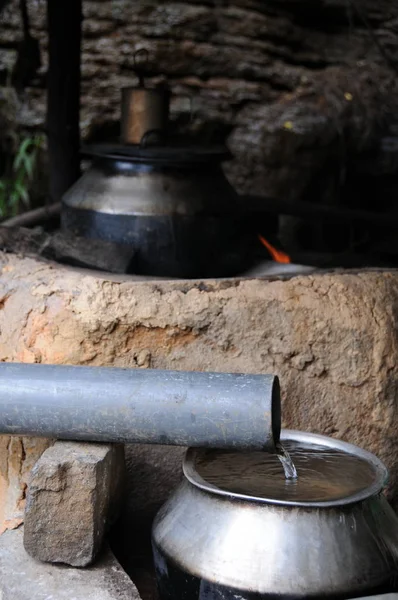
column 176, row 584
column 168, row 246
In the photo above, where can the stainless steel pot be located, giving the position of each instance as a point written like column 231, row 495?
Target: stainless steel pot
column 169, row 201
column 171, row 205
column 212, row 544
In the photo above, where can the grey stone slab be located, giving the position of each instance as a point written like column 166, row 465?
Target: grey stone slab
column 74, row 493
column 24, row 578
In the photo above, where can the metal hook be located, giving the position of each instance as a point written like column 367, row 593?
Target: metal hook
column 155, row 134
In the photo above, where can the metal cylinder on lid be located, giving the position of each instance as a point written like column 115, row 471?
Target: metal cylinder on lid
column 145, row 110
column 180, row 408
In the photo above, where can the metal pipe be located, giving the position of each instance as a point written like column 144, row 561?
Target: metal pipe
column 142, row 406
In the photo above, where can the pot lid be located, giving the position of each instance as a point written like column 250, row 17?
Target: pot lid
column 177, row 155
column 329, row 472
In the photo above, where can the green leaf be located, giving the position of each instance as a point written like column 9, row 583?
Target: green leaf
column 14, row 186
column 24, row 147
column 23, row 192
column 28, row 162
column 22, row 153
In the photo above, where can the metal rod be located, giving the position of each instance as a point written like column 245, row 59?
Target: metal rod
column 33, row 217
column 180, row 408
column 64, row 19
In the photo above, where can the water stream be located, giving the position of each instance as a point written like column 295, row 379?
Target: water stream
column 288, row 465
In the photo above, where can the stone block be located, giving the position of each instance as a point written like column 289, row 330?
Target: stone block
column 23, row 578
column 73, row 495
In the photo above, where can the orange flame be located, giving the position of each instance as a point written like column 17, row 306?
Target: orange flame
column 277, row 255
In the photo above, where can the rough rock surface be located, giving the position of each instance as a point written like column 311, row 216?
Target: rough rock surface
column 330, row 337
column 17, row 457
column 74, row 493
column 23, row 578
column 295, row 87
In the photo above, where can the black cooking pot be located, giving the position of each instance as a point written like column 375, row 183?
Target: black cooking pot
column 173, row 205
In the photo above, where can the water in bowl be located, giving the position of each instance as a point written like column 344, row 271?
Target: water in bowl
column 324, row 474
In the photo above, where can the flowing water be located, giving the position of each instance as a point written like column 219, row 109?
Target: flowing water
column 324, row 474
column 285, row 459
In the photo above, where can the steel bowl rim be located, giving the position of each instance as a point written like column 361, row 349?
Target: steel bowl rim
column 380, row 480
